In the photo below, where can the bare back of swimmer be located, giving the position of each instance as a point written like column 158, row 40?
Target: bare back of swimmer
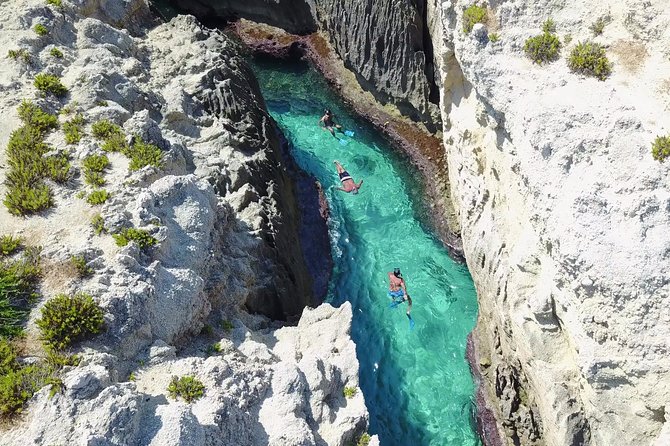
column 348, row 183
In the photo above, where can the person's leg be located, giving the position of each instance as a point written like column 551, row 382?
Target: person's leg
column 339, row 167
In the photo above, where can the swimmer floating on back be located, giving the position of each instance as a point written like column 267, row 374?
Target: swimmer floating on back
column 398, row 292
column 348, row 184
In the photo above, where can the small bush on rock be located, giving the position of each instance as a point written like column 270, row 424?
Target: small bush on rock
column 18, row 386
column 9, row 244
column 364, row 440
column 18, row 284
column 96, row 163
column 227, row 326
column 97, row 197
column 36, row 118
column 494, row 37
column 28, row 200
column 104, row 129
column 660, row 149
column 350, row 392
column 48, row 83
column 56, row 3
column 548, row 26
column 74, row 129
column 598, row 26
column 543, row 48
column 139, row 236
column 98, row 224
column 471, row 16
column 55, row 52
column 186, row 387
column 58, row 168
column 68, row 319
column 21, row 53
column 41, row 30
column 143, row 154
column 81, row 265
column 589, row 58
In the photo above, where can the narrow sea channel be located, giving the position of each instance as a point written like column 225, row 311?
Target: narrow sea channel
column 416, row 383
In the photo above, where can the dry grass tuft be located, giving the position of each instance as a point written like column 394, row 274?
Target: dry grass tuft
column 630, row 54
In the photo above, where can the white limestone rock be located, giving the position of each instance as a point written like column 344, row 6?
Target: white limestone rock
column 564, row 215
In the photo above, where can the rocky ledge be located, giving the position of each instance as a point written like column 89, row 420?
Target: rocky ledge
column 222, row 210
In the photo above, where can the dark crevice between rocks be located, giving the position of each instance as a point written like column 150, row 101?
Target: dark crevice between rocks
column 429, row 53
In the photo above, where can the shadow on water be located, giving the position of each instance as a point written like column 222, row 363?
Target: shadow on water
column 416, row 383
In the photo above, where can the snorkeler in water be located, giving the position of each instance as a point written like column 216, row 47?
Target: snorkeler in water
column 328, row 122
column 398, row 290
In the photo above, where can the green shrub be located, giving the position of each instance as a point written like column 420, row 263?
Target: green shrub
column 48, row 83
column 8, row 361
column 9, row 244
column 227, row 326
column 186, row 387
column 598, row 26
column 58, row 168
column 115, row 143
column 68, row 319
column 101, row 103
column 41, row 30
column 81, row 265
column 139, row 236
column 96, row 163
column 132, row 377
column 143, row 154
column 567, row 39
column 589, row 58
column 21, row 53
column 207, row 330
column 213, row 349
column 55, row 52
column 364, row 440
column 18, row 285
column 98, row 196
column 23, row 200
column 350, row 392
column 74, row 129
column 104, row 129
column 56, row 3
column 494, row 37
column 17, row 387
column 93, row 178
column 542, row 48
column 548, row 26
column 57, row 360
column 471, row 16
column 98, row 224
column 36, row 118
column 56, row 384
column 660, row 149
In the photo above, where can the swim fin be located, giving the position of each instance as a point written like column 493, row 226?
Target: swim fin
column 411, row 322
column 343, row 142
column 349, row 133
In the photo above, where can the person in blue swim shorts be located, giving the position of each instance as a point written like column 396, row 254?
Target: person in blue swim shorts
column 398, row 289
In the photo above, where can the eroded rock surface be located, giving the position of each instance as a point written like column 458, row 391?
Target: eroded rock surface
column 564, row 217
column 223, row 211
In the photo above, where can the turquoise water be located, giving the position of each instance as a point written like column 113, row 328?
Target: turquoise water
column 417, row 384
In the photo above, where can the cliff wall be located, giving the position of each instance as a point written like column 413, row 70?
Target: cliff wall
column 564, row 217
column 222, row 210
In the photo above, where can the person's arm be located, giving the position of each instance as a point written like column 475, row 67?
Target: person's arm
column 341, row 188
column 402, row 285
column 358, row 186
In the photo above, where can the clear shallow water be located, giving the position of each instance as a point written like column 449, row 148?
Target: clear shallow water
column 417, row 384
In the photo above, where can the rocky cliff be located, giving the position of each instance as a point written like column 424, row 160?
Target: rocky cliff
column 385, row 44
column 564, row 216
column 222, row 209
